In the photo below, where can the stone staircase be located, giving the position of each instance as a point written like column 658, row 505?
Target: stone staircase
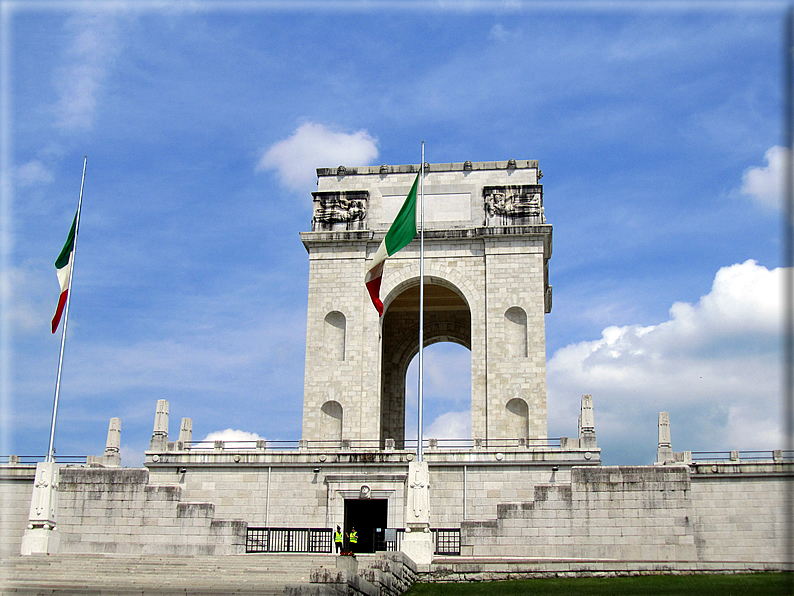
column 125, row 575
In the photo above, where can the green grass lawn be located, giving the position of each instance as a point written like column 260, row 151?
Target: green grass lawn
column 699, row 585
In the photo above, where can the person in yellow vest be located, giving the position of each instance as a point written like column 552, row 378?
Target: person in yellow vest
column 352, row 538
column 339, row 538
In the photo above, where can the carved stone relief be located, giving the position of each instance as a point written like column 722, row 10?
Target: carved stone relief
column 345, row 210
column 513, row 205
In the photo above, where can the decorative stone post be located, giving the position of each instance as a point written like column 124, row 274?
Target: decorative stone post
column 417, row 542
column 41, row 537
column 186, row 433
column 160, row 435
column 664, row 451
column 112, row 455
column 587, row 435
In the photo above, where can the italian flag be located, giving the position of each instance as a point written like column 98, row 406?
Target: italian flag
column 400, row 234
column 63, row 266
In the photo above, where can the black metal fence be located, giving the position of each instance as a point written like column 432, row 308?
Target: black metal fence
column 446, row 541
column 289, row 540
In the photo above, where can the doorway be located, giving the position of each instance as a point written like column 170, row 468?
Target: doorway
column 366, row 516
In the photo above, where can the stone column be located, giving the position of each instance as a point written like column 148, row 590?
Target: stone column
column 417, row 542
column 112, row 455
column 160, row 435
column 664, row 451
column 40, row 536
column 587, row 435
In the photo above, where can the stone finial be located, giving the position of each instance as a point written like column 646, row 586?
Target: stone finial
column 587, row 434
column 159, row 440
column 112, row 456
column 586, row 418
column 664, row 451
column 161, row 418
column 113, row 443
column 186, row 431
column 664, row 430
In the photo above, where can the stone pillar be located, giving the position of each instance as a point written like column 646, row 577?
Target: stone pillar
column 417, row 542
column 112, row 455
column 160, row 435
column 41, row 537
column 664, row 451
column 587, row 435
column 186, row 432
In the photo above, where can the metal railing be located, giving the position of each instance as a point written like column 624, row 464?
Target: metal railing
column 446, row 541
column 746, row 456
column 289, row 540
column 358, row 445
column 34, row 459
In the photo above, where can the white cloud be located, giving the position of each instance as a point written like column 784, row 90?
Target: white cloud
column 231, row 437
column 314, row 146
column 713, row 365
column 80, row 82
column 765, row 184
column 33, row 172
column 451, row 425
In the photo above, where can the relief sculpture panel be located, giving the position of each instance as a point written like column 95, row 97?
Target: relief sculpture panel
column 345, row 210
column 513, row 205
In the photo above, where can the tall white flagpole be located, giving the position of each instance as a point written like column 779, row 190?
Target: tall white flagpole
column 419, row 456
column 51, row 449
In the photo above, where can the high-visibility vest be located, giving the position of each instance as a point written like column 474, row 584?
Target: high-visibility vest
column 353, row 537
column 338, row 537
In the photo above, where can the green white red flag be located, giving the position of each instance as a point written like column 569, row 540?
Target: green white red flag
column 63, row 266
column 400, row 234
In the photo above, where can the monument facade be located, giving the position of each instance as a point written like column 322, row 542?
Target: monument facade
column 487, row 251
column 509, row 491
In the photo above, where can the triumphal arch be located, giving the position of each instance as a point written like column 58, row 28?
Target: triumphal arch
column 487, row 251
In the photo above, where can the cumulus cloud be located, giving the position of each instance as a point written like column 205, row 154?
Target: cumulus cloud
column 315, row 145
column 713, row 365
column 765, row 184
column 89, row 59
column 33, row 172
column 231, row 437
column 451, row 425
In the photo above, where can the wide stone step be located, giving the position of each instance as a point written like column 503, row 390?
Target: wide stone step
column 140, row 574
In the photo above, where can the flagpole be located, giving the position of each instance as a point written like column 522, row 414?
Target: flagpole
column 51, row 449
column 419, row 456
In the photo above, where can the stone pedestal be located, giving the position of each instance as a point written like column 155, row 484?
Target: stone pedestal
column 41, row 537
column 417, row 542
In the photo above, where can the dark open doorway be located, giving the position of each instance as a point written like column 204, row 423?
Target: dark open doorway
column 365, row 515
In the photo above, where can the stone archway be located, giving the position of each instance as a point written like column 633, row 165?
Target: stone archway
column 447, row 318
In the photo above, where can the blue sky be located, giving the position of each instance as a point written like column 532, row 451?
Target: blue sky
column 657, row 127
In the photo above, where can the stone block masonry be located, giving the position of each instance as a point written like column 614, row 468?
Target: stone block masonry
column 118, row 511
column 642, row 513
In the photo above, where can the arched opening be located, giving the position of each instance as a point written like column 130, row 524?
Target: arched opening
column 516, row 332
column 517, row 419
column 447, row 318
column 335, row 328
column 331, row 421
column 446, row 397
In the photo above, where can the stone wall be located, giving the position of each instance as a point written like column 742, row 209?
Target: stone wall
column 118, row 511
column 740, row 511
column 16, row 489
column 640, row 513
